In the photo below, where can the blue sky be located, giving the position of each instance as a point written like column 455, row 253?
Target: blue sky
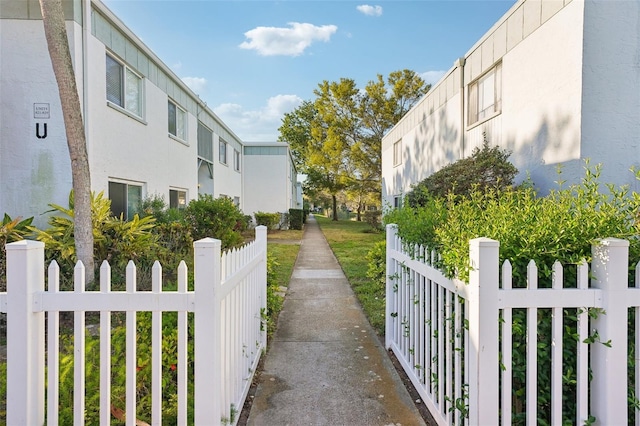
column 253, row 61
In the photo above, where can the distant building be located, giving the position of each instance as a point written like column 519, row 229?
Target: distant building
column 270, row 178
column 147, row 132
column 555, row 82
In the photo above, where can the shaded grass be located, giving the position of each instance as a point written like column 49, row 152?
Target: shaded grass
column 282, row 257
column 351, row 242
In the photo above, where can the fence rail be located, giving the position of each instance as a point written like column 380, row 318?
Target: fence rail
column 228, row 301
column 458, row 343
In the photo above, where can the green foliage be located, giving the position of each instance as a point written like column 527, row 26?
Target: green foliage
column 487, row 168
column 156, row 206
column 118, row 371
column 296, row 218
column 377, row 258
column 215, row 218
column 270, row 220
column 115, row 240
column 374, row 219
column 561, row 226
column 11, row 230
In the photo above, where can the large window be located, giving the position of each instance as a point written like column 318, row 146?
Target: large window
column 177, row 199
column 124, row 87
column 222, row 152
column 236, row 160
column 485, row 95
column 397, row 153
column 125, row 199
column 177, row 121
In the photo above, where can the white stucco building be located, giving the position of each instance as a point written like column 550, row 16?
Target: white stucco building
column 147, row 132
column 270, row 178
column 555, row 82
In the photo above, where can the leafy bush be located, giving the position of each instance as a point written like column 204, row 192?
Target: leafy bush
column 486, row 168
column 377, row 258
column 270, row 220
column 296, row 218
column 115, row 240
column 215, row 218
column 374, row 219
column 561, row 226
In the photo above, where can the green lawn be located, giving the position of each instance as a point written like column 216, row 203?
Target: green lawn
column 350, row 242
column 282, row 249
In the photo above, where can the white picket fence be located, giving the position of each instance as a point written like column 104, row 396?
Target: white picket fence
column 455, row 339
column 228, row 302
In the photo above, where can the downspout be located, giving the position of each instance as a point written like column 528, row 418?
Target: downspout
column 460, row 64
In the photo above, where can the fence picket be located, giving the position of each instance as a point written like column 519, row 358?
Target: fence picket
column 507, row 348
column 105, row 349
column 131, row 349
column 556, row 349
column 182, row 348
column 156, row 351
column 79, row 349
column 582, row 369
column 53, row 345
column 532, row 350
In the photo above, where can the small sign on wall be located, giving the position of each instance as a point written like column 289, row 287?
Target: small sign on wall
column 41, row 111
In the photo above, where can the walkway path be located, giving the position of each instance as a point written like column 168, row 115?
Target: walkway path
column 325, row 365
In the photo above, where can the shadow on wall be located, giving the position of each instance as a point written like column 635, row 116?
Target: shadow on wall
column 433, row 145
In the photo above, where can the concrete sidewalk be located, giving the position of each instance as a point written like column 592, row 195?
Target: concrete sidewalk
column 325, row 365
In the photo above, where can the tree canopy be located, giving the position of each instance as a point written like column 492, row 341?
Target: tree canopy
column 336, row 138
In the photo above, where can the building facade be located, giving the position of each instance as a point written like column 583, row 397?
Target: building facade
column 147, row 133
column 280, row 191
column 555, row 82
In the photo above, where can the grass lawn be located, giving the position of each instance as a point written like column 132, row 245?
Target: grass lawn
column 282, row 249
column 350, row 242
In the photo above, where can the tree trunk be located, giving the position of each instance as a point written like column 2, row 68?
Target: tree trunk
column 335, row 207
column 58, row 45
column 359, row 212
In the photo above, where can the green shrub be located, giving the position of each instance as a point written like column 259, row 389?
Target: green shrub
column 270, row 220
column 11, row 230
column 561, row 226
column 374, row 219
column 216, row 218
column 115, row 240
column 486, row 168
column 296, row 218
column 377, row 258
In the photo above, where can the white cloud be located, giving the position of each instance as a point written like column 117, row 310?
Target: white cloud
column 259, row 125
column 197, row 84
column 432, row 77
column 370, row 10
column 292, row 41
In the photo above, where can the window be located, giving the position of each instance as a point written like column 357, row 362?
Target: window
column 125, row 199
column 222, row 154
column 397, row 201
column 177, row 121
column 236, row 201
column 177, row 199
column 236, row 160
column 485, row 95
column 124, row 87
column 397, row 153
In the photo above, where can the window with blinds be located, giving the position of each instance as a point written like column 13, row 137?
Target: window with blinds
column 222, row 151
column 124, row 86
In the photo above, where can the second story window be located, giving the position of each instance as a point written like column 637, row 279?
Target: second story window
column 222, row 153
column 236, row 160
column 485, row 95
column 177, row 121
column 124, row 86
column 397, row 153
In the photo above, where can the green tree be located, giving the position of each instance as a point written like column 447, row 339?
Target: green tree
column 336, row 138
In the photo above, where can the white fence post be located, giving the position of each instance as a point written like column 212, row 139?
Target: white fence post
column 609, row 364
column 482, row 353
column 261, row 241
column 392, row 232
column 208, row 361
column 25, row 334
